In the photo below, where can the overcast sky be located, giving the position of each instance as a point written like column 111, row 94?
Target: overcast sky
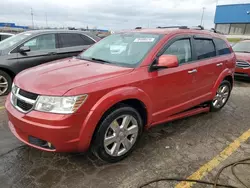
column 110, row 14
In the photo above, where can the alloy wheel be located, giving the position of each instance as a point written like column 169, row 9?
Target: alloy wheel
column 121, row 135
column 221, row 96
column 3, row 85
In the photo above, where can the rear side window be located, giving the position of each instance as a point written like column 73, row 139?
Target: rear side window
column 73, row 39
column 87, row 40
column 204, row 48
column 2, row 37
column 222, row 47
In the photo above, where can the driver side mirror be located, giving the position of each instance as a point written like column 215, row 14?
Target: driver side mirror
column 24, row 49
column 166, row 61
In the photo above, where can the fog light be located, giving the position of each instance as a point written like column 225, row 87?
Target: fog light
column 49, row 144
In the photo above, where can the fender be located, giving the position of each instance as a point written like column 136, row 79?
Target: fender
column 225, row 73
column 106, row 102
column 9, row 69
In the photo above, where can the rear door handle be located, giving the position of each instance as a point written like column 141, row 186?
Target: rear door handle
column 219, row 64
column 192, row 71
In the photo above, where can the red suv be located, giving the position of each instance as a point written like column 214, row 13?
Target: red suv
column 125, row 83
column 242, row 51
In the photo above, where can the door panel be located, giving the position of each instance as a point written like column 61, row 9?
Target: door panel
column 174, row 90
column 210, row 67
column 31, row 59
column 174, row 87
column 43, row 49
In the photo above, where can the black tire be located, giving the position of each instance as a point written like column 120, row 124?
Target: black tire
column 98, row 140
column 9, row 81
column 212, row 107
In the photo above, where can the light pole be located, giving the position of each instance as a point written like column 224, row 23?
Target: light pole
column 31, row 12
column 46, row 19
column 203, row 10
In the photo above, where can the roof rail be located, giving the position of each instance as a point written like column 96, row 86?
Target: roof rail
column 178, row 27
column 138, row 28
column 215, row 31
column 199, row 27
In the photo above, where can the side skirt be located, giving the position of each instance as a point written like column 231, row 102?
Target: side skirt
column 186, row 113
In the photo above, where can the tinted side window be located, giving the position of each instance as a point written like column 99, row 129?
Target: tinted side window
column 222, row 47
column 72, row 39
column 182, row 49
column 5, row 37
column 42, row 42
column 204, row 48
column 87, row 40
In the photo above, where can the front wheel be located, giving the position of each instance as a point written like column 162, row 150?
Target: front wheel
column 221, row 97
column 5, row 83
column 117, row 134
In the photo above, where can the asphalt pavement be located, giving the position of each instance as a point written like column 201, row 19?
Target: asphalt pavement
column 197, row 147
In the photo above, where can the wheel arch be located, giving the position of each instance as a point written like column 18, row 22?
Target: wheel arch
column 8, row 71
column 130, row 96
column 227, row 74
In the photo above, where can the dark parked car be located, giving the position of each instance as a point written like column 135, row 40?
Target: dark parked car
column 33, row 48
column 4, row 36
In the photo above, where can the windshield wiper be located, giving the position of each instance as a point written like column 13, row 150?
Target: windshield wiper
column 101, row 60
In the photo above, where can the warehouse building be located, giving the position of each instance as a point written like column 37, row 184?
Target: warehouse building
column 233, row 19
column 12, row 27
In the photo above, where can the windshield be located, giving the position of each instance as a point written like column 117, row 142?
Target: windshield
column 125, row 49
column 242, row 47
column 13, row 40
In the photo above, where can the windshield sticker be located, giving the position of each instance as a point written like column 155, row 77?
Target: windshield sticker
column 144, row 40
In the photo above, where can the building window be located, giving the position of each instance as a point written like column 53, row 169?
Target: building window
column 237, row 29
column 223, row 28
column 247, row 32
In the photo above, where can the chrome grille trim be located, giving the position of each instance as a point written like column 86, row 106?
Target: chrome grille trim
column 242, row 64
column 16, row 96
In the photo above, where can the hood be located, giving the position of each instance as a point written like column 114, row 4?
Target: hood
column 56, row 78
column 243, row 56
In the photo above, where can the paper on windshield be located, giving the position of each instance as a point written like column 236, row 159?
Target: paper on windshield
column 144, row 40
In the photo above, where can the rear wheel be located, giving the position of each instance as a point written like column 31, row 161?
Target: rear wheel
column 117, row 134
column 221, row 97
column 5, row 83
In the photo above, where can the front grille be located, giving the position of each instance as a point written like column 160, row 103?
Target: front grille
column 23, row 101
column 28, row 94
column 23, row 105
column 242, row 64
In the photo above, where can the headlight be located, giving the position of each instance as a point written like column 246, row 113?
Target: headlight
column 59, row 105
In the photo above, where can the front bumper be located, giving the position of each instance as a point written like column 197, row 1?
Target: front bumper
column 241, row 72
column 62, row 131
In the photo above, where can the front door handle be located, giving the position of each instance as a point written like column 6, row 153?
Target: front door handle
column 192, row 71
column 219, row 64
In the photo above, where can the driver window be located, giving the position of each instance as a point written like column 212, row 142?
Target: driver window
column 182, row 49
column 42, row 42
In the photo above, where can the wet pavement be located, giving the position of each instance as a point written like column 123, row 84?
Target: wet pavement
column 175, row 149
